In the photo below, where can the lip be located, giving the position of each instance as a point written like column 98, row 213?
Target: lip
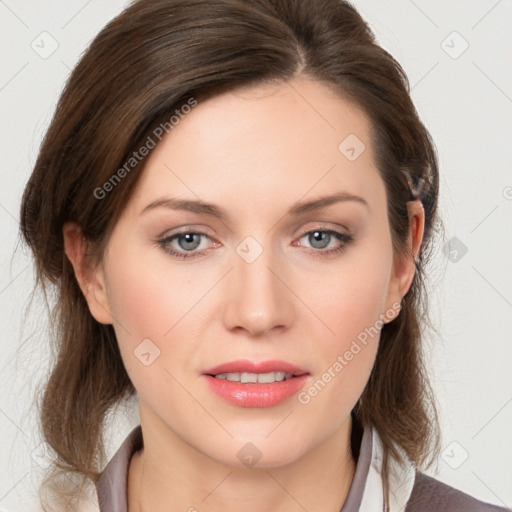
column 244, row 365
column 256, row 394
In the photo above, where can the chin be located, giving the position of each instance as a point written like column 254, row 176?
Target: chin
column 262, row 450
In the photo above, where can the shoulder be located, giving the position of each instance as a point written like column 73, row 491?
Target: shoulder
column 431, row 495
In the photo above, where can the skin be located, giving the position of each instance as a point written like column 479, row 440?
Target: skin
column 255, row 153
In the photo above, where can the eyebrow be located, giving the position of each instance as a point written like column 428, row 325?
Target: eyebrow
column 297, row 209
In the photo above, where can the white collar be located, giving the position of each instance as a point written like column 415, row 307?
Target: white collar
column 401, row 481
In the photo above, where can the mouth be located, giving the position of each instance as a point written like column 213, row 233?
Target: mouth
column 256, row 384
column 252, row 372
column 248, row 378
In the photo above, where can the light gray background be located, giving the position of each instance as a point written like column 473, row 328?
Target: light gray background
column 466, row 102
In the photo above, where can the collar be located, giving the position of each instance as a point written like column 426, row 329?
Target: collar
column 365, row 493
column 401, row 480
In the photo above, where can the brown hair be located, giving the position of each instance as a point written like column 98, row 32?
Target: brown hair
column 146, row 63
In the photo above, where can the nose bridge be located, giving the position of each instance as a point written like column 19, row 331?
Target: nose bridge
column 258, row 301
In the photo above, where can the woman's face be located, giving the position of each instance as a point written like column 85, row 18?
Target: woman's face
column 252, row 287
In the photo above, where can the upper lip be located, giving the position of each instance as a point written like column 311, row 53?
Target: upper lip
column 246, row 366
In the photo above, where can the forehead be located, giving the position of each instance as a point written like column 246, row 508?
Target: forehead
column 261, row 145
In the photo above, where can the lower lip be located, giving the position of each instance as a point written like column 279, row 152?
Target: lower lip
column 256, row 394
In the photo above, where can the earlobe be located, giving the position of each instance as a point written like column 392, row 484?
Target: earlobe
column 91, row 280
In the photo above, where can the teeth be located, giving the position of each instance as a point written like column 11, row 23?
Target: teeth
column 263, row 378
column 270, row 377
column 248, row 377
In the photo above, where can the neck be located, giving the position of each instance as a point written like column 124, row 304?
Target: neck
column 170, row 471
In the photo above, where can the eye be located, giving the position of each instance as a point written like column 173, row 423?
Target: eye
column 320, row 239
column 186, row 242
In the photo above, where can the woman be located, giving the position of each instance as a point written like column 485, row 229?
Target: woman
column 235, row 202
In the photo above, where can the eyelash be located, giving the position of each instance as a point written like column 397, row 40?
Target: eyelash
column 346, row 239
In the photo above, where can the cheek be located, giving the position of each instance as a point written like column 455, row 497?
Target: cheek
column 346, row 356
column 140, row 304
column 148, row 298
column 149, row 308
column 351, row 296
column 351, row 303
column 150, row 313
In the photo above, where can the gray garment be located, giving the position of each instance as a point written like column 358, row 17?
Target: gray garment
column 428, row 494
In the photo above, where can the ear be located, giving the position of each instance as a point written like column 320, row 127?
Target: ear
column 404, row 266
column 91, row 280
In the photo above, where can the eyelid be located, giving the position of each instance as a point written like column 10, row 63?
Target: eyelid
column 186, row 228
column 327, row 226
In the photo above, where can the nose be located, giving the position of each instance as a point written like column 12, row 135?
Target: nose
column 258, row 300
